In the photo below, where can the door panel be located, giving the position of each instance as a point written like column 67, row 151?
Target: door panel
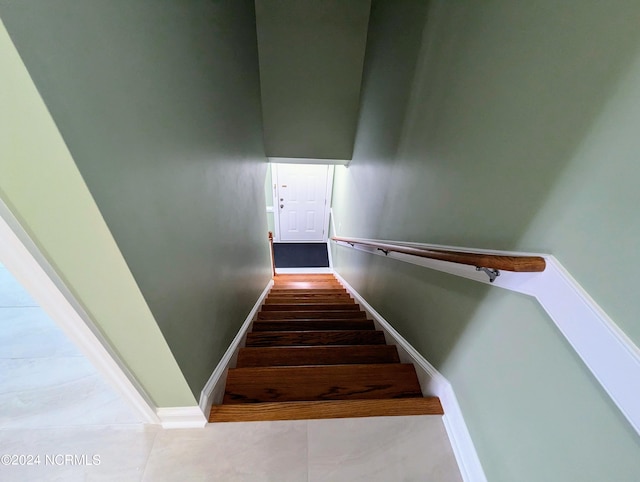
column 301, row 191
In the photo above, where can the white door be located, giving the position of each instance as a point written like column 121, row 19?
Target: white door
column 301, row 201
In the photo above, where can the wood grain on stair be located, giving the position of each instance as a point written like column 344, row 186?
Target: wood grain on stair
column 304, row 276
column 309, row 293
column 316, row 355
column 292, row 315
column 280, row 281
column 305, row 301
column 310, row 306
column 313, row 354
column 308, row 285
column 333, row 382
column 304, row 325
column 309, row 338
column 325, row 409
column 291, row 291
column 310, row 296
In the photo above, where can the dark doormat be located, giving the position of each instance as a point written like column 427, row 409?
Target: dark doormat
column 301, row 255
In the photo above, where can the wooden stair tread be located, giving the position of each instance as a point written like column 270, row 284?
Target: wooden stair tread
column 292, row 288
column 305, row 306
column 306, row 294
column 305, row 338
column 308, row 284
column 292, row 292
column 308, row 301
column 316, row 355
column 280, row 290
column 305, row 302
column 292, row 298
column 292, row 315
column 305, row 275
column 329, row 382
column 309, row 410
column 309, row 293
column 312, row 325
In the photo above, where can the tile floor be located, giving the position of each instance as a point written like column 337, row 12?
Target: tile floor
column 375, row 449
column 59, row 415
column 40, row 367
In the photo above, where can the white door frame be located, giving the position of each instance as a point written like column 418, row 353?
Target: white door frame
column 20, row 255
column 276, row 212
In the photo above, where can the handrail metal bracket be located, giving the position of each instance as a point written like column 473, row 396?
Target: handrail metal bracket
column 352, row 245
column 490, row 272
column 385, row 251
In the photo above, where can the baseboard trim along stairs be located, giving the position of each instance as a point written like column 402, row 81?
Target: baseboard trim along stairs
column 313, row 353
column 432, row 383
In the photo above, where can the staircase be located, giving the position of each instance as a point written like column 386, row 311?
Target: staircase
column 314, row 354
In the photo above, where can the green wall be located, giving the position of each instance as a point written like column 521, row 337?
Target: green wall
column 518, row 133
column 311, row 55
column 160, row 108
column 41, row 185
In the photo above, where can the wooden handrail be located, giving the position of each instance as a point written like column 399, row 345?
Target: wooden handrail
column 519, row 264
column 273, row 256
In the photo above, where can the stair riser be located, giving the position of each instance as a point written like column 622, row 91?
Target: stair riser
column 317, row 298
column 307, row 295
column 310, row 325
column 293, row 292
column 302, row 279
column 292, row 315
column 310, row 284
column 340, row 382
column 307, row 301
column 319, row 338
column 310, row 307
column 304, row 276
column 316, row 355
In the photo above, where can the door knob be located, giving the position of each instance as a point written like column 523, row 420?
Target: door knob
column 281, row 206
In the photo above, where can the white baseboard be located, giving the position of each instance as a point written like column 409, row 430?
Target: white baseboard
column 304, row 270
column 213, row 390
column 461, row 442
column 181, row 417
column 604, row 348
column 432, row 383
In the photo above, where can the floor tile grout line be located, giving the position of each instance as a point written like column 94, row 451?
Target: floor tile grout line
column 80, row 428
column 146, row 462
column 308, row 452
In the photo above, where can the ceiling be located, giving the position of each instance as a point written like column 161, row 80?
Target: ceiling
column 311, row 54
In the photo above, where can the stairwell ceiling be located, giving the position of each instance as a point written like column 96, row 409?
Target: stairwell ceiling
column 311, row 55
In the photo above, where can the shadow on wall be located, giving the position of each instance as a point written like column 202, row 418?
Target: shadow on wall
column 393, row 47
column 502, row 98
column 430, row 309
